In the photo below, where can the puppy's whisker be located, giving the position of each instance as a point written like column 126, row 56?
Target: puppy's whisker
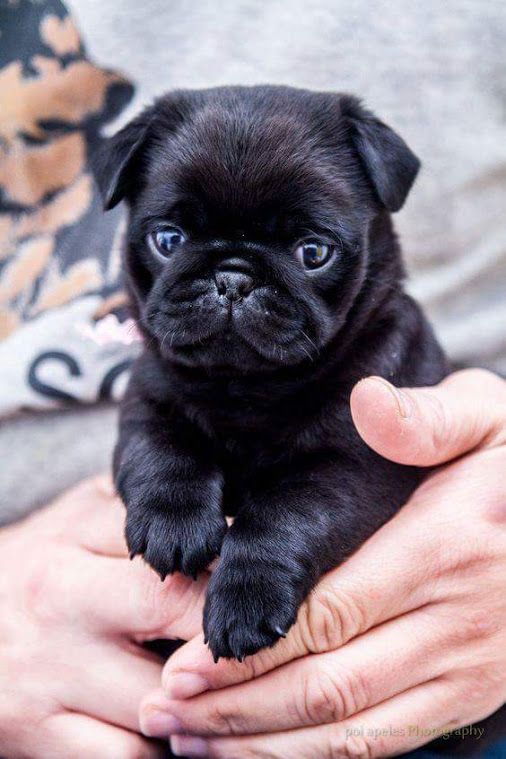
column 165, row 337
column 311, row 342
column 308, row 354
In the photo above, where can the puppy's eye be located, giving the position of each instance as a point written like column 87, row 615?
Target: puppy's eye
column 314, row 254
column 166, row 240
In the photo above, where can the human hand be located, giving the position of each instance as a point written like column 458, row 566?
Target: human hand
column 73, row 611
column 404, row 641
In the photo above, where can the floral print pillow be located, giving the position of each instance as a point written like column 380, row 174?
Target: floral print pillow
column 59, row 254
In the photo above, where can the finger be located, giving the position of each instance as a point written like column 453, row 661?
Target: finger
column 103, row 530
column 360, row 594
column 73, row 735
column 128, row 597
column 316, row 689
column 431, row 425
column 393, row 727
column 110, row 682
column 99, row 487
column 94, row 516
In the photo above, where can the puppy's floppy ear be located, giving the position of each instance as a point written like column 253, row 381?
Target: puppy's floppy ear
column 391, row 166
column 116, row 163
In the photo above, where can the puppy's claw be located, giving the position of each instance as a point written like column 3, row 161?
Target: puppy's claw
column 216, row 658
column 280, row 632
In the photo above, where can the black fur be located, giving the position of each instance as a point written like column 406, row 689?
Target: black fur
column 241, row 407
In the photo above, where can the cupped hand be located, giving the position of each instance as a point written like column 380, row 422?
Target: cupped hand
column 402, row 643
column 73, row 611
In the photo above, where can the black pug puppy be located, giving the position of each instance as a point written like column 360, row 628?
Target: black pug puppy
column 266, row 278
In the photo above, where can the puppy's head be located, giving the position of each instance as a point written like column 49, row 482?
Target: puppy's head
column 251, row 210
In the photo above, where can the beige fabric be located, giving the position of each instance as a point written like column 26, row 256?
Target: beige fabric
column 60, row 272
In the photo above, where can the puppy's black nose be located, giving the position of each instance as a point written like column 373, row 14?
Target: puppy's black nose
column 233, row 285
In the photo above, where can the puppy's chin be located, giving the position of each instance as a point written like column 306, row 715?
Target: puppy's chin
column 238, row 340
column 224, row 353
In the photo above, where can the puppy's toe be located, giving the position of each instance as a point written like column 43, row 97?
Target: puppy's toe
column 247, row 611
column 175, row 542
column 136, row 533
column 202, row 545
column 162, row 553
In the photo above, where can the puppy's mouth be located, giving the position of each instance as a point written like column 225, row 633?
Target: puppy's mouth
column 242, row 329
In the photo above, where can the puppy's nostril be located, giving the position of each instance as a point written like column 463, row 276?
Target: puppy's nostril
column 233, row 285
column 245, row 286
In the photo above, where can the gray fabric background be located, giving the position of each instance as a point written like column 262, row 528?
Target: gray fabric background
column 41, row 454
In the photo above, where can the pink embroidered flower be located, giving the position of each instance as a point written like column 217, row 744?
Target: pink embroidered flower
column 110, row 330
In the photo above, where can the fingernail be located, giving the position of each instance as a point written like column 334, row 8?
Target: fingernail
column 187, row 745
column 157, row 724
column 403, row 401
column 184, row 685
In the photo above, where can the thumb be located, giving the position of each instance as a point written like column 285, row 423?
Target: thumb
column 431, row 425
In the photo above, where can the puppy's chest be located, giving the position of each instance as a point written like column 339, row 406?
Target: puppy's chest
column 251, row 443
column 255, row 461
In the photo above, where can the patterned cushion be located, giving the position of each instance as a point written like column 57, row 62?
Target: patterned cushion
column 59, row 254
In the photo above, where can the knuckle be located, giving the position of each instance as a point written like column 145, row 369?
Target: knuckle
column 478, row 624
column 330, row 695
column 224, row 720
column 352, row 745
column 254, row 666
column 330, row 618
column 323, row 699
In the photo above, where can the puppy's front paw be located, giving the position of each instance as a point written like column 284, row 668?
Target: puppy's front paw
column 175, row 537
column 248, row 608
